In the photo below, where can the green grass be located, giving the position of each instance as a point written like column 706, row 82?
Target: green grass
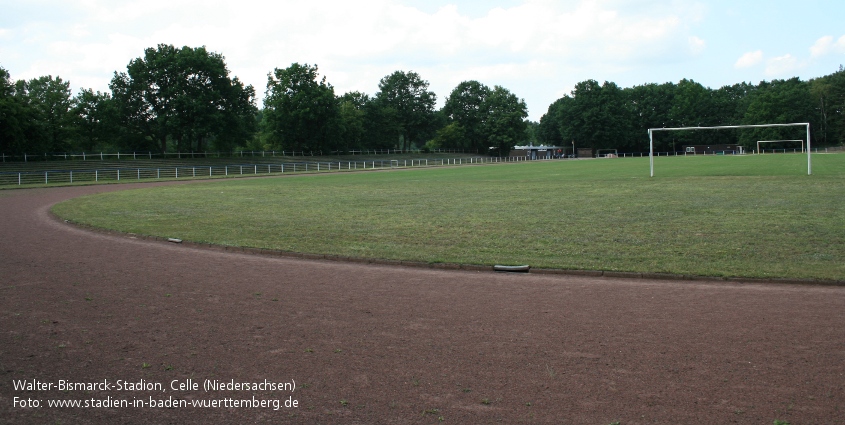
column 749, row 216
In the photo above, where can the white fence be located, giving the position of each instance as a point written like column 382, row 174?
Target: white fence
column 20, row 178
column 102, row 156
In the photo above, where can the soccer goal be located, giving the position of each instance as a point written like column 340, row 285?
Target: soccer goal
column 761, row 151
column 607, row 153
column 722, row 127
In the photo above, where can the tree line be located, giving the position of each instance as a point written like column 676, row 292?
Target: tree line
column 184, row 99
column 605, row 116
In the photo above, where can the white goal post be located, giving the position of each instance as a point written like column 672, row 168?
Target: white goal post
column 720, row 127
column 779, row 141
column 613, row 152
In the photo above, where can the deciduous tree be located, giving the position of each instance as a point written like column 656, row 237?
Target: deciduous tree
column 184, row 95
column 467, row 105
column 505, row 126
column 412, row 105
column 300, row 110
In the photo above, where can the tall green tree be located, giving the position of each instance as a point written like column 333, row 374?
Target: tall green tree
column 828, row 93
column 50, row 101
column 183, row 95
column 505, row 126
column 412, row 105
column 16, row 118
column 300, row 109
column 778, row 102
column 467, row 105
column 353, row 120
column 95, row 120
column 595, row 117
column 549, row 130
column 649, row 107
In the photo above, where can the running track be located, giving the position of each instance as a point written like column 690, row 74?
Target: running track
column 369, row 343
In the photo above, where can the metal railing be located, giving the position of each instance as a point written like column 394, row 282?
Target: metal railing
column 103, row 156
column 122, row 174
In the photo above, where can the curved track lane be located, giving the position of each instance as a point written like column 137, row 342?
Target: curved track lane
column 381, row 344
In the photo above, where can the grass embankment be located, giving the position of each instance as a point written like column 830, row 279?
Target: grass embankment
column 749, row 216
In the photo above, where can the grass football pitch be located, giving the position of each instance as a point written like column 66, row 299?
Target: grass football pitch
column 740, row 216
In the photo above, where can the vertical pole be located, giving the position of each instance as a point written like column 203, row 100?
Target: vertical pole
column 809, row 164
column 651, row 151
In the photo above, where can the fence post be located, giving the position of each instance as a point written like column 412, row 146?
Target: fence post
column 96, row 175
column 45, row 177
column 177, row 172
column 71, row 176
column 118, row 174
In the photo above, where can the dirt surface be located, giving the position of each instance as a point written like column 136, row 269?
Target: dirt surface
column 374, row 344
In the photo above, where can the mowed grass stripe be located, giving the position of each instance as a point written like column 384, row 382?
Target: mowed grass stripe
column 749, row 216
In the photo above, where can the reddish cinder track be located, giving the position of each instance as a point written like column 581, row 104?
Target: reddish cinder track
column 369, row 343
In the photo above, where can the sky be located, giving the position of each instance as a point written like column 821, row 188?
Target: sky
column 537, row 49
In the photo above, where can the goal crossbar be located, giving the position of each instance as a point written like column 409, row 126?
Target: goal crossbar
column 721, row 127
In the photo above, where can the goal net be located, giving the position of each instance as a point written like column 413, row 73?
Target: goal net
column 763, row 150
column 607, row 153
column 651, row 132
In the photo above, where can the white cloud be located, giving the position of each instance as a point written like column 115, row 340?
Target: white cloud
column 535, row 48
column 826, row 45
column 696, row 45
column 782, row 66
column 749, row 59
